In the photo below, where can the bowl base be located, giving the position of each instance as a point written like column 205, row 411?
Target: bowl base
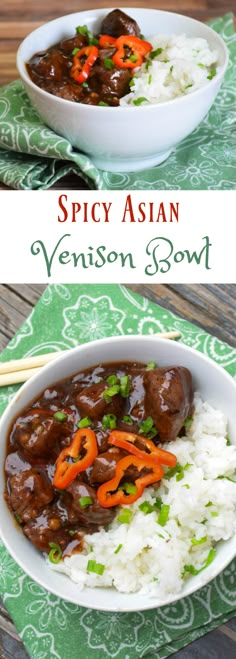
column 131, row 164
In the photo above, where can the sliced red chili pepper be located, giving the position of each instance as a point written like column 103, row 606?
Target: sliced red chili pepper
column 83, row 62
column 83, row 440
column 105, row 41
column 110, row 494
column 130, row 51
column 150, row 453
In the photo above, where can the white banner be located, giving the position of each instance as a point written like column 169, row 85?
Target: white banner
column 117, row 237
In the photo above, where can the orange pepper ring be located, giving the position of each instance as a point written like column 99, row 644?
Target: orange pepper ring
column 126, row 441
column 108, row 495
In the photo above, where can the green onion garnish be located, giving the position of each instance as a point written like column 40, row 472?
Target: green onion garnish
column 150, row 365
column 140, row 100
column 190, row 569
column 109, row 421
column 212, row 74
column 82, row 29
column 129, row 488
column 188, row 86
column 202, row 66
column 149, row 79
column 214, row 513
column 72, row 532
column 56, row 552
column 146, row 426
column 97, row 568
column 110, row 392
column 163, row 515
column 118, row 549
column 108, row 63
column 84, row 84
column 131, row 83
column 112, row 379
column 125, row 516
column 60, row 416
column 146, row 507
column 127, row 419
column 84, row 502
column 18, row 518
column 158, row 503
column 74, row 51
column 102, row 103
column 147, row 65
column 133, row 58
column 201, row 541
column 171, row 68
column 85, row 422
column 189, row 419
column 155, row 53
column 208, row 504
column 187, row 486
column 124, row 386
column 93, row 41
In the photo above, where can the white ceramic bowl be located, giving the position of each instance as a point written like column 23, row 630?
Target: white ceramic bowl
column 215, row 385
column 123, row 139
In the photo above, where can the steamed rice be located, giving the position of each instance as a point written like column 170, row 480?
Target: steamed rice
column 147, row 557
column 182, row 65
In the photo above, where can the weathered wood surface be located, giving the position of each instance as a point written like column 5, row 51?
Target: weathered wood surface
column 18, row 19
column 211, row 307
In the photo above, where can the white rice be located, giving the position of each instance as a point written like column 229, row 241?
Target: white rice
column 202, row 506
column 183, row 65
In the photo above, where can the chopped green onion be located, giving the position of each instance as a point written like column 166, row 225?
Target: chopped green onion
column 140, row 100
column 163, row 515
column 57, row 489
column 196, row 542
column 150, row 365
column 227, row 478
column 129, row 488
column 158, row 503
column 188, row 86
column 124, row 386
column 72, row 532
column 112, row 379
column 212, row 74
column 108, row 63
column 131, row 83
column 109, row 422
column 60, row 416
column 141, row 36
column 127, row 419
column 155, row 53
column 179, row 476
column 189, row 419
column 102, row 103
column 171, row 68
column 146, row 426
column 173, row 471
column 84, row 502
column 208, row 504
column 93, row 41
column 56, row 552
column 75, row 51
column 18, row 518
column 118, row 549
column 110, row 392
column 97, row 568
column 202, row 66
column 187, row 486
column 84, row 84
column 133, row 58
column 146, row 507
column 125, row 516
column 214, row 513
column 85, row 422
column 228, row 442
column 82, row 29
column 147, row 65
column 190, row 569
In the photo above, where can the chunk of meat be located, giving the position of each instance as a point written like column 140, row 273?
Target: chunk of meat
column 109, row 82
column 91, row 402
column 29, row 492
column 52, row 65
column 79, row 41
column 168, row 399
column 104, row 465
column 51, row 526
column 39, row 435
column 92, row 514
column 14, row 464
column 117, row 24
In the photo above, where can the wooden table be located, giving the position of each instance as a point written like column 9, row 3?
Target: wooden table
column 17, row 19
column 210, row 307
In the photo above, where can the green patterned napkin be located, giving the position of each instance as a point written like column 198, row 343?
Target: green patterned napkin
column 66, row 316
column 33, row 157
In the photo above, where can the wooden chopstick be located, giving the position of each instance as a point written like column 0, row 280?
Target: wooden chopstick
column 20, row 370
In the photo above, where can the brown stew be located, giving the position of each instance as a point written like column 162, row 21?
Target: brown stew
column 53, row 70
column 135, row 398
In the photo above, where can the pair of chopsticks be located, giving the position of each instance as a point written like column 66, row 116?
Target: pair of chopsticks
column 20, row 370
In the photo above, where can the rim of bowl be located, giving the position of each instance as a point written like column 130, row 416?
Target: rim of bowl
column 21, row 65
column 148, row 602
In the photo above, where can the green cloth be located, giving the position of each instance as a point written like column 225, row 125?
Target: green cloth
column 33, row 157
column 66, row 316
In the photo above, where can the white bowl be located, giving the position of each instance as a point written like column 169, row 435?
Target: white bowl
column 123, row 139
column 215, row 385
